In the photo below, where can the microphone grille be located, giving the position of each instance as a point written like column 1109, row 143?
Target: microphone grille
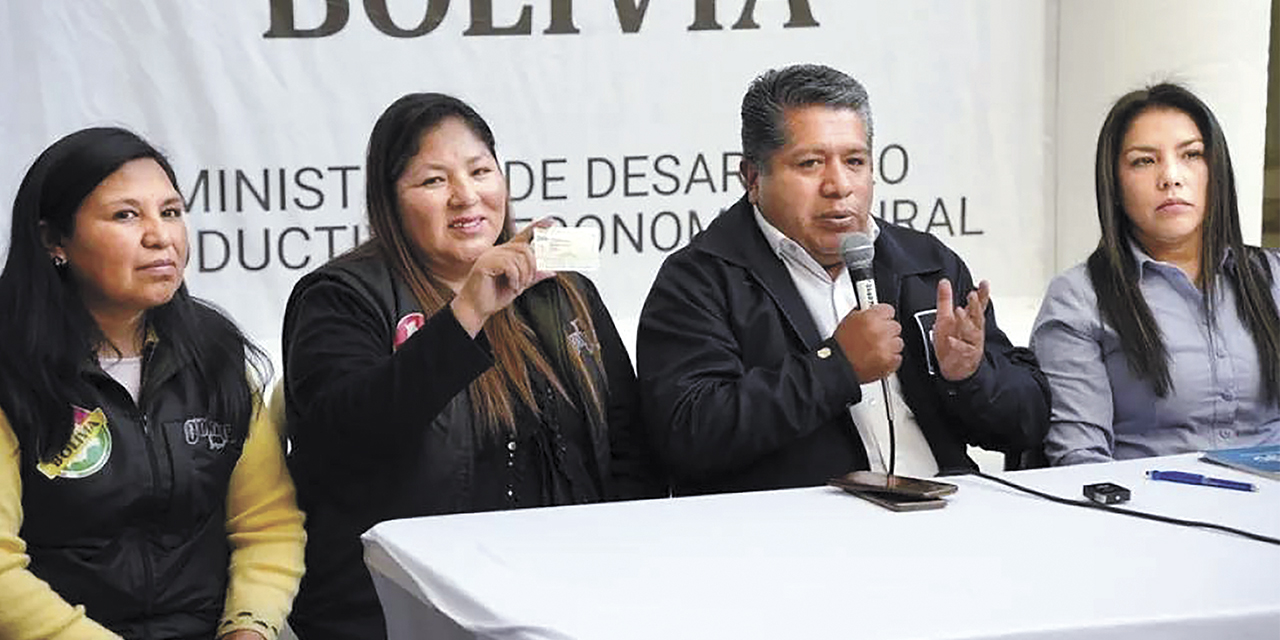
column 858, row 250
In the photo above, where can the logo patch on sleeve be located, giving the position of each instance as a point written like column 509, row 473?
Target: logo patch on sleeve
column 925, row 320
column 86, row 452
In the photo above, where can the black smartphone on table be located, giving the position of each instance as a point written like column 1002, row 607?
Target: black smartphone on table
column 896, row 502
column 879, row 483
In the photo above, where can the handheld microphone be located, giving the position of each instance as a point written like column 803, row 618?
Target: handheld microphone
column 859, row 250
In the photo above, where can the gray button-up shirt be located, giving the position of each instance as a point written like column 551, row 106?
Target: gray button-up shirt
column 1102, row 411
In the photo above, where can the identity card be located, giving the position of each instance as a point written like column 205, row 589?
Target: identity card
column 567, row 248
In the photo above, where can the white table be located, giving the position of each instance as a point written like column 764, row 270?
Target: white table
column 818, row 563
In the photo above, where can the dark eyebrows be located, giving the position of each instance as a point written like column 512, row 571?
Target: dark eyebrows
column 1150, row 149
column 822, row 151
column 137, row 204
column 438, row 166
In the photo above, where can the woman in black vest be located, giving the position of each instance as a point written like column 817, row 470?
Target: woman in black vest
column 435, row 370
column 143, row 492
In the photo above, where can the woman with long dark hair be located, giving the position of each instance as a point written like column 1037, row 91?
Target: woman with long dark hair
column 1167, row 339
column 143, row 492
column 435, row 370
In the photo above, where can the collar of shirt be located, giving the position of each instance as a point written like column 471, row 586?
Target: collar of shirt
column 1144, row 259
column 789, row 250
column 1163, row 275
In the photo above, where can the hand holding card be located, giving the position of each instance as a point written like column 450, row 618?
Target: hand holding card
column 566, row 248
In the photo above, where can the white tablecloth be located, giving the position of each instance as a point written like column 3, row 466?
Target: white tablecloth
column 819, row 563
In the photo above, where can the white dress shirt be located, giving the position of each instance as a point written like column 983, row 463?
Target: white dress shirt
column 829, row 301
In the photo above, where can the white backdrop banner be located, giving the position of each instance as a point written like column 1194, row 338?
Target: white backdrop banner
column 619, row 115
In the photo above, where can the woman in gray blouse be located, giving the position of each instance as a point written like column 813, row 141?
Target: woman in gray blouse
column 1166, row 340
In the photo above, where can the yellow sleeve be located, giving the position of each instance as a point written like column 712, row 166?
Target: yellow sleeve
column 31, row 608
column 264, row 527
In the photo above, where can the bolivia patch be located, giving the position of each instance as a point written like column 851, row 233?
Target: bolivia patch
column 86, row 452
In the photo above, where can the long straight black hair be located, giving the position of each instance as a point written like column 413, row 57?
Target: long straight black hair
column 49, row 334
column 1114, row 272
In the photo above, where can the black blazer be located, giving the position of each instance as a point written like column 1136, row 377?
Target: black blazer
column 741, row 393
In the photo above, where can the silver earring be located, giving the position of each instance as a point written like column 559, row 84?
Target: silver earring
column 59, row 261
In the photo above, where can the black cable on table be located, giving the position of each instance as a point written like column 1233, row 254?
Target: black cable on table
column 1129, row 512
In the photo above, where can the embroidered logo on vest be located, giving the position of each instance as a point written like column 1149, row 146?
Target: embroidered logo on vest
column 216, row 433
column 86, row 452
column 407, row 326
column 579, row 341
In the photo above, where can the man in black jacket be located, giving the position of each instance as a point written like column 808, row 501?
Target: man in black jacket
column 756, row 369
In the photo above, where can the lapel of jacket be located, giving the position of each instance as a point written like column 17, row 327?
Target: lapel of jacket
column 738, row 240
column 886, row 265
column 894, row 261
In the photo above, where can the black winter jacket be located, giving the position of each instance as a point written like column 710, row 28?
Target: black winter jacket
column 739, row 396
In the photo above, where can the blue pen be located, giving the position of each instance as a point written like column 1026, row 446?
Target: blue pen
column 1195, row 478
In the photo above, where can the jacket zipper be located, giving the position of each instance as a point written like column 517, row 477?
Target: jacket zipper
column 148, row 564
column 140, row 416
column 148, row 570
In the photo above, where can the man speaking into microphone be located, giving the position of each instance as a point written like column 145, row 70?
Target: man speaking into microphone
column 758, row 369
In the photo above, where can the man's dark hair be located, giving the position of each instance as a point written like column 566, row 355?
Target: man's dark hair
column 802, row 85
